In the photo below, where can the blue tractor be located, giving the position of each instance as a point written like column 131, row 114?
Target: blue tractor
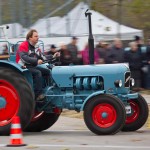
column 102, row 92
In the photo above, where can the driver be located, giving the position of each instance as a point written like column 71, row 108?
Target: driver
column 26, row 56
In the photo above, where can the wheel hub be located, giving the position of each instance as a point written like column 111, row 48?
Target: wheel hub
column 2, row 102
column 104, row 115
column 135, row 111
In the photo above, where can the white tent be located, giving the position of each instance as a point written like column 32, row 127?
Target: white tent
column 75, row 23
column 45, row 26
column 108, row 29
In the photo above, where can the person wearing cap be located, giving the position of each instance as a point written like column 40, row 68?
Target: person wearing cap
column 73, row 50
column 52, row 49
column 52, row 52
column 139, row 41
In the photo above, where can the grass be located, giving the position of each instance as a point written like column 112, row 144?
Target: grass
column 145, row 92
column 72, row 114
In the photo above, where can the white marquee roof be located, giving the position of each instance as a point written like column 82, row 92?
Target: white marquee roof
column 75, row 23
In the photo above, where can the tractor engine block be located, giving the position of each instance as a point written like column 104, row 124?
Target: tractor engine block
column 88, row 83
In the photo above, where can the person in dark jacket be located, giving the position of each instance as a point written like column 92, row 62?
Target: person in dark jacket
column 138, row 41
column 73, row 51
column 102, row 48
column 147, row 67
column 134, row 58
column 26, row 56
column 115, row 53
column 52, row 50
column 65, row 57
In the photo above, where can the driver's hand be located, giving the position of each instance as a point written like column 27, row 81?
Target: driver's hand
column 40, row 62
column 57, row 54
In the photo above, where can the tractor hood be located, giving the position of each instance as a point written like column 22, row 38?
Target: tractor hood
column 64, row 75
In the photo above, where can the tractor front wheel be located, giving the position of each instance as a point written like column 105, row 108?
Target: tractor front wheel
column 104, row 114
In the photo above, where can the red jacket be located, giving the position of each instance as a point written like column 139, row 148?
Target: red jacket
column 22, row 48
column 26, row 55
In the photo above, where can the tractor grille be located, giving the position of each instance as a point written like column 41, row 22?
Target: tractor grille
column 127, row 79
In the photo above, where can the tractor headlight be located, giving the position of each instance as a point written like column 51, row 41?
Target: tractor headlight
column 118, row 83
column 132, row 82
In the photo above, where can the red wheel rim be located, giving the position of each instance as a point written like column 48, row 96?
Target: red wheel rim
column 9, row 93
column 37, row 115
column 104, row 115
column 135, row 111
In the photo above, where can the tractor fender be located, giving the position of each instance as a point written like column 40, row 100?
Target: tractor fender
column 92, row 95
column 25, row 72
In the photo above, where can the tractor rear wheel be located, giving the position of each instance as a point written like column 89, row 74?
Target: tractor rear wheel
column 18, row 96
column 138, row 116
column 41, row 121
column 104, row 114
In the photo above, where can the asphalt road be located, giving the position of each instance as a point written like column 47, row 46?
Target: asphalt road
column 72, row 134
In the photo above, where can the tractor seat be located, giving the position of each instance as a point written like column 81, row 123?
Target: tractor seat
column 4, row 57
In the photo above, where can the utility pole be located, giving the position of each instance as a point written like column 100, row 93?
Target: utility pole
column 119, row 16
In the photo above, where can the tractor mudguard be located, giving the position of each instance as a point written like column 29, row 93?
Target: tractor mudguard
column 92, row 95
column 120, row 96
column 18, row 68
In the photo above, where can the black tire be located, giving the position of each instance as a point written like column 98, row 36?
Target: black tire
column 41, row 121
column 113, row 112
column 19, row 99
column 139, row 115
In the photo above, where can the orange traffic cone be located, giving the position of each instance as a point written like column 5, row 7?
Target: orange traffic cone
column 16, row 133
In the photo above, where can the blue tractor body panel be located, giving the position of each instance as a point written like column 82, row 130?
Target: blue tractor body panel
column 66, row 76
